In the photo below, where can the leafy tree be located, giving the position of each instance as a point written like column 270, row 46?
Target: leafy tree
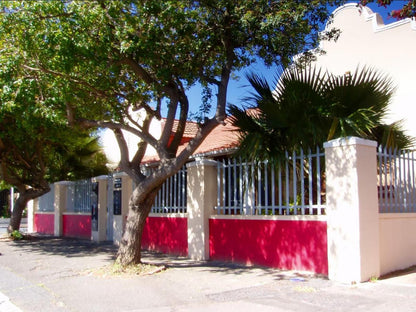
column 408, row 9
column 111, row 58
column 309, row 107
column 37, row 147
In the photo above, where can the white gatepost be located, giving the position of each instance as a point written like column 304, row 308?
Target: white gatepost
column 30, row 215
column 352, row 210
column 201, row 200
column 122, row 190
column 60, row 204
column 11, row 199
column 99, row 230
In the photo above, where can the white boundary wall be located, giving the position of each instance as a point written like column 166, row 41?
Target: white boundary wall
column 397, row 241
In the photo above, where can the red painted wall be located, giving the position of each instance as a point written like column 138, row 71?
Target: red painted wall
column 44, row 223
column 168, row 235
column 291, row 245
column 78, row 226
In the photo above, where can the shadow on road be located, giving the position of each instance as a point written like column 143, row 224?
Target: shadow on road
column 71, row 248
column 64, row 246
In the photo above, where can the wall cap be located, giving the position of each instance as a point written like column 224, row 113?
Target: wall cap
column 349, row 141
column 377, row 22
column 101, row 177
column 168, row 215
column 271, row 218
column 71, row 213
column 64, row 182
column 397, row 215
column 201, row 162
column 120, row 174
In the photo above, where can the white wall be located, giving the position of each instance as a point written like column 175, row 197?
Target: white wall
column 365, row 40
column 397, row 241
column 110, row 146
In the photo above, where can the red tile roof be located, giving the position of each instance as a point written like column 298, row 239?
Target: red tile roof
column 221, row 138
column 190, row 128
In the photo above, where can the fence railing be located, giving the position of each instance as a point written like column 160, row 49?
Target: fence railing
column 84, row 196
column 46, row 201
column 294, row 187
column 396, row 181
column 171, row 198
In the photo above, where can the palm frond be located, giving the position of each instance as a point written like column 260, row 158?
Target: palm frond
column 393, row 136
column 309, row 106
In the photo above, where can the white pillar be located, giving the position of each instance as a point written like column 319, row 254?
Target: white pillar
column 119, row 220
column 201, row 200
column 352, row 209
column 60, row 203
column 30, row 215
column 101, row 233
column 11, row 199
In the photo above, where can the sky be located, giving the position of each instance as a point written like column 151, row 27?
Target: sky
column 240, row 89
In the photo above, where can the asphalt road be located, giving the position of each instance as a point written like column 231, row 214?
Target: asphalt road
column 55, row 274
column 4, row 222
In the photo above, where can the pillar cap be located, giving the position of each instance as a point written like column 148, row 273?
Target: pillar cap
column 349, row 141
column 120, row 174
column 64, row 182
column 201, row 162
column 101, row 177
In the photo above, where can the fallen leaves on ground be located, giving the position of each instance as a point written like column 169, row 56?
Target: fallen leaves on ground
column 116, row 270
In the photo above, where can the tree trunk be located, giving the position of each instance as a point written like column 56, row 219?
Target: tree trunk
column 25, row 195
column 129, row 251
column 17, row 212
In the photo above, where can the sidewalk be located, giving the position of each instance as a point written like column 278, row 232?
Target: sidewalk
column 50, row 274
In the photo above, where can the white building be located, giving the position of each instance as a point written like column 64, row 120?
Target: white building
column 110, row 146
column 391, row 49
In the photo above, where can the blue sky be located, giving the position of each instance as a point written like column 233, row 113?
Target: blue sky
column 240, row 89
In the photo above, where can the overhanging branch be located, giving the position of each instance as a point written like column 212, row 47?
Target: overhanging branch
column 87, row 123
column 71, row 79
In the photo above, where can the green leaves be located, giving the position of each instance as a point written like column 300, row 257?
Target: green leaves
column 93, row 44
column 309, row 107
column 102, row 59
column 36, row 144
column 408, row 10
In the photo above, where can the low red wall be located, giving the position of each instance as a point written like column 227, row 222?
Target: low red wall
column 44, row 223
column 168, row 235
column 290, row 245
column 78, row 226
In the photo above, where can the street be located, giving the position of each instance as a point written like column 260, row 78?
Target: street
column 4, row 222
column 56, row 274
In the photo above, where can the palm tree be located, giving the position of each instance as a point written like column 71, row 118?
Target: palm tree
column 309, row 107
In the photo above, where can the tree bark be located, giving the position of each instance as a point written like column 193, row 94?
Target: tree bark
column 16, row 217
column 129, row 252
column 25, row 195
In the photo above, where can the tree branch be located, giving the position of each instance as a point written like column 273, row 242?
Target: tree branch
column 70, row 114
column 139, row 70
column 124, row 150
column 168, row 127
column 141, row 151
column 112, row 125
column 69, row 78
column 196, row 141
column 184, row 107
column 11, row 179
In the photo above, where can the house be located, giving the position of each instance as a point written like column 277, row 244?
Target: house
column 222, row 140
column 324, row 237
column 365, row 40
